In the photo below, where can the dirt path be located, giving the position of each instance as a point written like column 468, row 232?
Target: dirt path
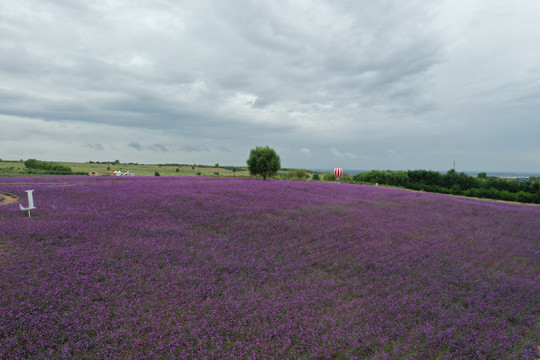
column 6, row 198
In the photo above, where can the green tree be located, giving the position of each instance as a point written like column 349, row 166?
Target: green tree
column 263, row 161
column 32, row 164
column 300, row 174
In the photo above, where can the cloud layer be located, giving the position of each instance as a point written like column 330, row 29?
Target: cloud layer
column 326, row 84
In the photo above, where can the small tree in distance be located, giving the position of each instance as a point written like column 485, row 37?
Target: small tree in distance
column 300, row 174
column 263, row 161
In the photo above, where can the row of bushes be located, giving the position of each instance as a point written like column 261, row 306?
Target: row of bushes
column 456, row 184
column 491, row 193
column 9, row 170
column 49, row 167
column 52, row 172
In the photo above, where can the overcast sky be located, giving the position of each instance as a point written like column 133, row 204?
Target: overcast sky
column 359, row 84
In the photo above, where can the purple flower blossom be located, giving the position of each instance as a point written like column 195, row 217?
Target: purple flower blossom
column 217, row 268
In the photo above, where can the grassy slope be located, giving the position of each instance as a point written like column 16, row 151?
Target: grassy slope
column 141, row 169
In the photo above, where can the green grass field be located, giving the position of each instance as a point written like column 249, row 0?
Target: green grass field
column 17, row 168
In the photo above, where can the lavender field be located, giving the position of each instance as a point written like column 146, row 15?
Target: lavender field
column 222, row 268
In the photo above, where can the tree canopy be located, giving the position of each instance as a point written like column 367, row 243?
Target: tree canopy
column 263, row 161
column 47, row 165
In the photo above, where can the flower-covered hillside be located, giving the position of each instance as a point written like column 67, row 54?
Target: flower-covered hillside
column 217, row 268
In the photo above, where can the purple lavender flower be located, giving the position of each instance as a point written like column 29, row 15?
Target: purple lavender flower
column 218, row 268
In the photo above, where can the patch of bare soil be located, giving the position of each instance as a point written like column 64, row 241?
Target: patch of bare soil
column 6, row 199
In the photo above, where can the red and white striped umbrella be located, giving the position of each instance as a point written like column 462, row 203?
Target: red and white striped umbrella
column 338, row 172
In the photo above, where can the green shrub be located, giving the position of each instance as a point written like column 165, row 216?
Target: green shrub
column 299, row 174
column 346, row 178
column 525, row 197
column 48, row 166
column 329, row 177
column 455, row 189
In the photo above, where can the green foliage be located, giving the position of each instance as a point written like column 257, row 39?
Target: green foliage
column 10, row 170
column 156, row 173
column 199, row 173
column 263, row 161
column 316, row 177
column 177, row 169
column 116, row 162
column 456, row 184
column 217, row 165
column 346, row 178
column 329, row 177
column 425, row 177
column 49, row 167
column 299, row 174
column 395, row 178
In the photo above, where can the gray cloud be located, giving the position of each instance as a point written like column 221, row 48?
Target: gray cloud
column 357, row 76
column 135, row 145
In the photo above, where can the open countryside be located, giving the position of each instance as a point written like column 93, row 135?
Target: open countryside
column 389, row 207
column 516, row 187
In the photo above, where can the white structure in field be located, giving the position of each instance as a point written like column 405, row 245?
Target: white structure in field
column 30, row 202
column 119, row 173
